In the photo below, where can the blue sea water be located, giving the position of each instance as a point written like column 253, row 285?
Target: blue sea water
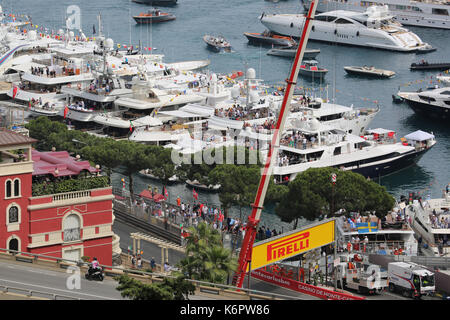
column 181, row 39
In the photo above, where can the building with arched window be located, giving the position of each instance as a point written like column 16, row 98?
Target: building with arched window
column 34, row 218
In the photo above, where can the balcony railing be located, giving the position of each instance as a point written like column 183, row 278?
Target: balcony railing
column 71, row 195
column 71, row 234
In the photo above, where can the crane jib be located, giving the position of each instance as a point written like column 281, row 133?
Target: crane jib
column 253, row 219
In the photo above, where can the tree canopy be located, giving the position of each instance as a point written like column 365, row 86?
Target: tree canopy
column 311, row 195
column 169, row 289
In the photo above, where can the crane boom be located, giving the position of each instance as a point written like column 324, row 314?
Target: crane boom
column 253, row 219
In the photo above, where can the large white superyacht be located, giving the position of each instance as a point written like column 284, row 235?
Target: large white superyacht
column 373, row 28
column 419, row 13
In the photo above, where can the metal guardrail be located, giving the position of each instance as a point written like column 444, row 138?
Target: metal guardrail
column 29, row 293
column 222, row 289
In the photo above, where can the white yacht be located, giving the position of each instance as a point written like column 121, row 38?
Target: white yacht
column 246, row 115
column 373, row 28
column 434, row 103
column 430, row 219
column 373, row 155
column 419, row 13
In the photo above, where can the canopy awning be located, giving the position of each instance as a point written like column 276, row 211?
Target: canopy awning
column 379, row 131
column 419, row 135
column 148, row 195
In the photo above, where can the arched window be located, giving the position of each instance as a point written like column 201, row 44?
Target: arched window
column 13, row 214
column 8, row 189
column 71, row 228
column 16, row 187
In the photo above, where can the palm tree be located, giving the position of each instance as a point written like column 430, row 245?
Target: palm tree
column 201, row 237
column 206, row 258
column 218, row 264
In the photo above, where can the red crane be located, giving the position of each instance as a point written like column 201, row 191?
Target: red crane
column 253, row 220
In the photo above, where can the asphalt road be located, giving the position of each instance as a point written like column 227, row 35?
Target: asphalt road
column 43, row 279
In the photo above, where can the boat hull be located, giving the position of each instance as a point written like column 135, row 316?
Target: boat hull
column 156, row 19
column 310, row 74
column 430, row 111
column 290, row 53
column 431, row 66
column 157, row 2
column 260, row 39
column 384, row 169
column 368, row 74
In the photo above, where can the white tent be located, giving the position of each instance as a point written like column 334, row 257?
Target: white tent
column 419, row 135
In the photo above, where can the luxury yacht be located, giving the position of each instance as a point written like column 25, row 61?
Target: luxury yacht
column 419, row 13
column 374, row 28
column 375, row 154
column 434, row 103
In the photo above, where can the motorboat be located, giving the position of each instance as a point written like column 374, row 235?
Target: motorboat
column 270, row 38
column 369, row 71
column 374, row 28
column 157, row 2
column 434, row 103
column 309, row 54
column 430, row 219
column 217, row 44
column 146, row 173
column 425, row 65
column 374, row 154
column 153, row 16
column 310, row 69
column 421, row 13
column 199, row 186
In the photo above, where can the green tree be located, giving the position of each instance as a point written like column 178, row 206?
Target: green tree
column 206, row 258
column 134, row 159
column 106, row 154
column 169, row 289
column 312, row 196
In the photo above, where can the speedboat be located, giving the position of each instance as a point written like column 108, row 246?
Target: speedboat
column 430, row 219
column 374, row 28
column 369, row 71
column 433, row 103
column 270, row 38
column 309, row 54
column 197, row 185
column 157, row 2
column 153, row 16
column 425, row 65
column 217, row 43
column 432, row 13
column 310, row 69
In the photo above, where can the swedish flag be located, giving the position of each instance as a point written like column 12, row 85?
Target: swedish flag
column 366, row 227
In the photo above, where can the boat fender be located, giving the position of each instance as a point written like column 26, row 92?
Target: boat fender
column 357, row 33
column 292, row 24
column 335, row 31
column 312, row 28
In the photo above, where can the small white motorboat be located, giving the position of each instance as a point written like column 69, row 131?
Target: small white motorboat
column 369, row 71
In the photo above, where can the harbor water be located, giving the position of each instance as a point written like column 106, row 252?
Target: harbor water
column 181, row 39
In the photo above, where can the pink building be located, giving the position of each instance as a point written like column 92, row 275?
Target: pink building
column 53, row 204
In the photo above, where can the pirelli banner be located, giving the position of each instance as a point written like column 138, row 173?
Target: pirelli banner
column 291, row 244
